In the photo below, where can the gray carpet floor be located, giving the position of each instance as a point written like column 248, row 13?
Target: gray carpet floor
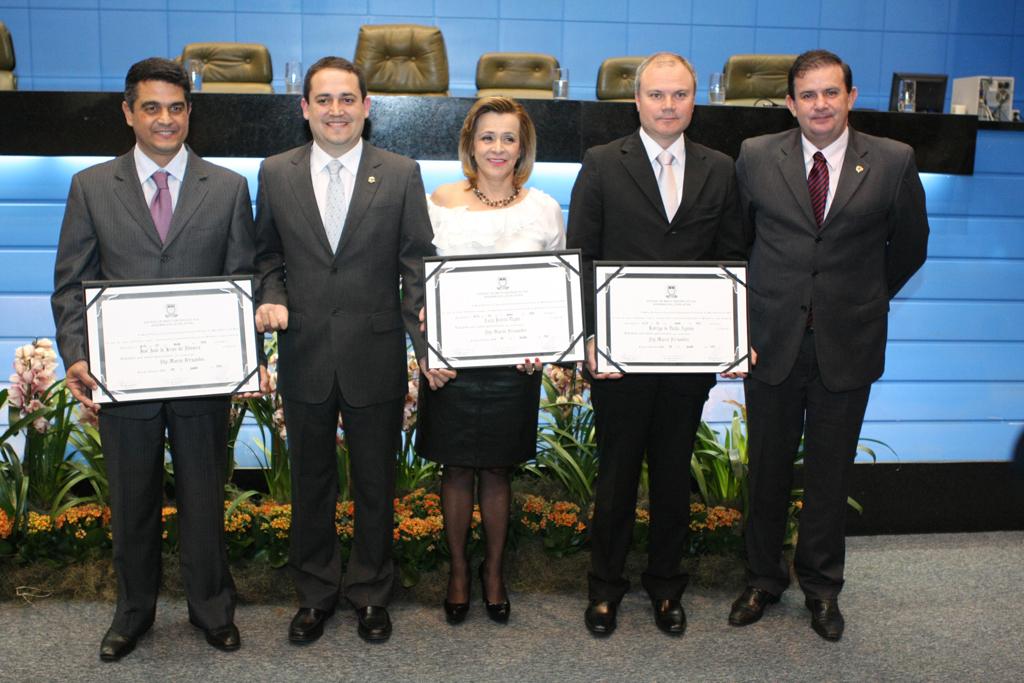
column 918, row 608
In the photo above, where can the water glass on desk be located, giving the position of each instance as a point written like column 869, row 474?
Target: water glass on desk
column 560, row 86
column 716, row 88
column 195, row 74
column 906, row 96
column 293, row 78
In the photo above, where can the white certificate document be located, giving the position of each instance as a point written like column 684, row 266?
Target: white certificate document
column 171, row 339
column 671, row 318
column 500, row 310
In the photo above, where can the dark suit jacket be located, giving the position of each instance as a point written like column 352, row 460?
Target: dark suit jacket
column 108, row 234
column 345, row 316
column 873, row 240
column 617, row 213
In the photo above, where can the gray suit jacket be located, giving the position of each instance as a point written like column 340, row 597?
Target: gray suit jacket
column 873, row 240
column 345, row 312
column 108, row 234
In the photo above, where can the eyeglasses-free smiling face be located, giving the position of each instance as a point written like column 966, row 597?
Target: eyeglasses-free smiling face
column 159, row 119
column 336, row 110
column 665, row 100
column 822, row 105
column 496, row 145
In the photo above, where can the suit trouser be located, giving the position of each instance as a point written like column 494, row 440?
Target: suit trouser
column 372, row 434
column 656, row 415
column 134, row 453
column 830, row 423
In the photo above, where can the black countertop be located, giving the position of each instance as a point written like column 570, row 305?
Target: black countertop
column 227, row 125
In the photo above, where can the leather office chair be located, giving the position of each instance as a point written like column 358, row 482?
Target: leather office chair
column 8, row 81
column 523, row 75
column 232, row 67
column 616, row 78
column 403, row 59
column 757, row 80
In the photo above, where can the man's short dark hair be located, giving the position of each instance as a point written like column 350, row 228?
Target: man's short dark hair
column 815, row 59
column 339, row 63
column 155, row 69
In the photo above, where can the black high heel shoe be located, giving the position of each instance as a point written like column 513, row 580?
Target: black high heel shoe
column 497, row 611
column 455, row 612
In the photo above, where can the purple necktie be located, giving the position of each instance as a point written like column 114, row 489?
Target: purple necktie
column 817, row 185
column 160, row 209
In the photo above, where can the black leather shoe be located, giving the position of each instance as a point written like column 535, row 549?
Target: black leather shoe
column 669, row 616
column 308, row 625
column 374, row 623
column 497, row 611
column 115, row 645
column 600, row 617
column 749, row 607
column 826, row 619
column 224, row 638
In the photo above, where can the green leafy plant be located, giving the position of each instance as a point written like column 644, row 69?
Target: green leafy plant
column 566, row 442
column 720, row 466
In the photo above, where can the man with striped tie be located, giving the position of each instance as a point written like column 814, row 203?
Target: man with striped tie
column 836, row 224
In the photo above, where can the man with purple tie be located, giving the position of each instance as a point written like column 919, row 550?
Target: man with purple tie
column 158, row 211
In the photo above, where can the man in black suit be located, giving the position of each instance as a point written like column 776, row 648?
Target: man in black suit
column 158, row 211
column 624, row 207
column 342, row 229
column 837, row 225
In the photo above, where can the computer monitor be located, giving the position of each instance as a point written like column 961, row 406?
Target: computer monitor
column 930, row 94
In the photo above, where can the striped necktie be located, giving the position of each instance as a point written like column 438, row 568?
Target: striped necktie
column 817, row 185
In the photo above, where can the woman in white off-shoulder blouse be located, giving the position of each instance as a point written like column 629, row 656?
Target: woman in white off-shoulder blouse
column 483, row 422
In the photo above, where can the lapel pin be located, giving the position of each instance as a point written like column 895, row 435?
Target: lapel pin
column 372, row 179
column 859, row 168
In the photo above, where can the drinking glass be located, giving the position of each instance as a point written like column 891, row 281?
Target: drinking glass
column 906, row 96
column 195, row 74
column 560, row 86
column 716, row 88
column 293, row 78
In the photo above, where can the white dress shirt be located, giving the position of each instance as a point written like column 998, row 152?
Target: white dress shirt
column 146, row 167
column 834, row 155
column 318, row 161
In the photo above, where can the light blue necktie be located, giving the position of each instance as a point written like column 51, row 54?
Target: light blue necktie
column 334, row 215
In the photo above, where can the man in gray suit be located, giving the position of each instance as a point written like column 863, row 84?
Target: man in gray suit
column 158, row 211
column 837, row 225
column 341, row 230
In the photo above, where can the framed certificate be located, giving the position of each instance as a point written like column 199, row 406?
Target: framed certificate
column 499, row 310
column 162, row 339
column 671, row 317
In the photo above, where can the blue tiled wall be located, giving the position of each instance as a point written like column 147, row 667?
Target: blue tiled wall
column 955, row 367
column 88, row 44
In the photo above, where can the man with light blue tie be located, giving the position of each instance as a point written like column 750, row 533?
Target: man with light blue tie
column 342, row 228
column 159, row 211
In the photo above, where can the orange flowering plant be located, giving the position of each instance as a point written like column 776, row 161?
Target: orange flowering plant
column 714, row 530
column 417, row 534
column 560, row 524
